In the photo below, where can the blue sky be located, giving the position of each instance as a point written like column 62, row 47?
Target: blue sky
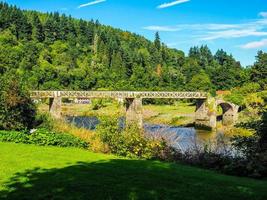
column 237, row 26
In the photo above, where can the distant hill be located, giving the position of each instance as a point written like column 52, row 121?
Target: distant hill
column 53, row 51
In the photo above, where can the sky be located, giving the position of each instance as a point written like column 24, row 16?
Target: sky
column 237, row 26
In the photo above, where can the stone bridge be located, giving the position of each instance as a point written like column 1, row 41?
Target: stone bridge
column 205, row 114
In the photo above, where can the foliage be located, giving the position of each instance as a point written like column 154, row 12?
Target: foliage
column 254, row 149
column 42, row 137
column 238, row 131
column 53, row 51
column 17, row 111
column 240, row 95
column 98, row 104
column 59, row 126
column 130, row 142
column 200, row 82
column 259, row 70
column 44, row 120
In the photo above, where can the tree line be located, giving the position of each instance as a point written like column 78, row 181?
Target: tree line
column 53, row 51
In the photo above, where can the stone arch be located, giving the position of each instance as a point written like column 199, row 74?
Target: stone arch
column 230, row 112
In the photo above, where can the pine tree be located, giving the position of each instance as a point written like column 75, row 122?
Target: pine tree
column 49, row 30
column 157, row 42
column 37, row 32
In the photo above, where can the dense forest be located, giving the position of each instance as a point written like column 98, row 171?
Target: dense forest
column 53, row 51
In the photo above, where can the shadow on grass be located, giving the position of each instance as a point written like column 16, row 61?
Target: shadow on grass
column 128, row 179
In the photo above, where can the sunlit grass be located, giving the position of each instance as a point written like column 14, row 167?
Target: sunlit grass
column 33, row 172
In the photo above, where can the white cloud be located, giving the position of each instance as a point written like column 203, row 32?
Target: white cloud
column 170, row 4
column 191, row 27
column 255, row 45
column 263, row 14
column 91, row 3
column 213, row 31
column 233, row 33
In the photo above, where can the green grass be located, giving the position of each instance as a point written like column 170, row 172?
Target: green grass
column 32, row 172
column 177, row 115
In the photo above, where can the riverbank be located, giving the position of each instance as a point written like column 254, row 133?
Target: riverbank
column 179, row 114
column 28, row 171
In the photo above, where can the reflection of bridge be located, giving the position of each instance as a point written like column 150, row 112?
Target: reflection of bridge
column 204, row 115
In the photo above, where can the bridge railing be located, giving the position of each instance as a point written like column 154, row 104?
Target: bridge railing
column 119, row 94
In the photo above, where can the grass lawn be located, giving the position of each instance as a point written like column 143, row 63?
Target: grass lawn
column 33, row 172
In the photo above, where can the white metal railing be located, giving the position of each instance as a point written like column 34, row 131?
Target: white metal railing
column 119, row 94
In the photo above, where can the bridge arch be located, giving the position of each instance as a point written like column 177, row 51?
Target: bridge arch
column 229, row 112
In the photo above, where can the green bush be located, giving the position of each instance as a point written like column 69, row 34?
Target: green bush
column 254, row 149
column 238, row 95
column 17, row 111
column 44, row 120
column 98, row 104
column 42, row 137
column 130, row 142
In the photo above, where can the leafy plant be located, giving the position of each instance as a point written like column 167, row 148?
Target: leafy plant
column 17, row 111
column 130, row 142
column 98, row 104
column 42, row 137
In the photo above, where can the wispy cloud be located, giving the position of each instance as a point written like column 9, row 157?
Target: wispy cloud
column 255, row 45
column 233, row 33
column 191, row 27
column 213, row 31
column 91, row 3
column 173, row 3
column 162, row 28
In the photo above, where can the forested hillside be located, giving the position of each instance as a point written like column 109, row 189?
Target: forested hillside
column 53, row 51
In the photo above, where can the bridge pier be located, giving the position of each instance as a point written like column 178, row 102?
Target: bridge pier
column 55, row 105
column 134, row 112
column 204, row 117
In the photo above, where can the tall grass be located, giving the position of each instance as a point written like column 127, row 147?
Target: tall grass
column 89, row 136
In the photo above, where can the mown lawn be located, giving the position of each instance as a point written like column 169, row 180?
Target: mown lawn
column 33, row 172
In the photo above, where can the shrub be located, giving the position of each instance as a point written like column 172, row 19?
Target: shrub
column 44, row 120
column 17, row 111
column 254, row 149
column 240, row 95
column 98, row 104
column 130, row 142
column 42, row 137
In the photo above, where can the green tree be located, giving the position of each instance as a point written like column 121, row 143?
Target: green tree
column 259, row 69
column 50, row 30
column 37, row 32
column 200, row 82
column 157, row 41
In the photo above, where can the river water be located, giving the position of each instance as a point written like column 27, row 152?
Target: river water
column 179, row 137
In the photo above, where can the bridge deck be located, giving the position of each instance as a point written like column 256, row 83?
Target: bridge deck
column 119, row 94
